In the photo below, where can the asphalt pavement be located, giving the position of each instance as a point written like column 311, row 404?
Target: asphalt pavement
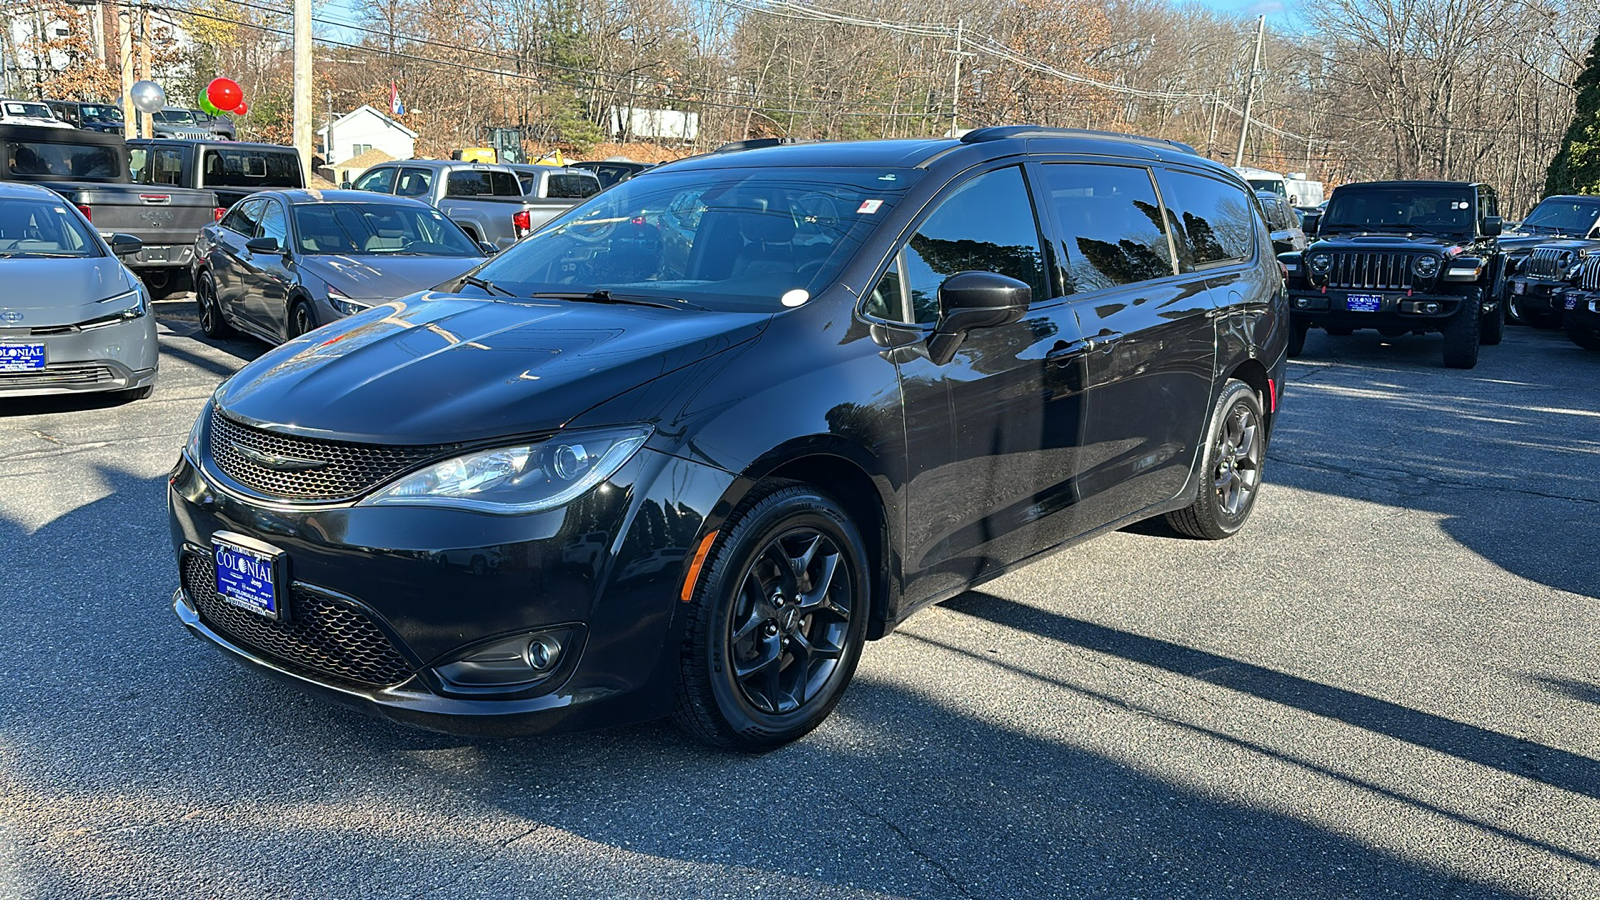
column 1388, row 685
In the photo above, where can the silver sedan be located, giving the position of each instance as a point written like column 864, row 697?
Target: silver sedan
column 73, row 318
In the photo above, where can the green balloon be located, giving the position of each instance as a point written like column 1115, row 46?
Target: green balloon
column 205, row 104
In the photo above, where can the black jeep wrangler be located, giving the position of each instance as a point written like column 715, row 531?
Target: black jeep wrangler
column 1542, row 255
column 1579, row 303
column 1403, row 257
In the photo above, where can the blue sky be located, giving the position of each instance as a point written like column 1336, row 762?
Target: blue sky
column 1281, row 13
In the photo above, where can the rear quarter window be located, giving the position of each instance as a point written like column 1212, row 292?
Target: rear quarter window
column 469, row 183
column 566, row 185
column 1215, row 222
column 250, row 168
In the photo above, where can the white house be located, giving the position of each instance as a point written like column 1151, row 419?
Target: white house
column 367, row 129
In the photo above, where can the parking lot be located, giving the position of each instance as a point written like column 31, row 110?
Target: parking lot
column 1387, row 685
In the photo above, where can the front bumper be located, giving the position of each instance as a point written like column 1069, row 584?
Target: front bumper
column 1581, row 309
column 424, row 585
column 1404, row 310
column 116, row 357
column 1536, row 295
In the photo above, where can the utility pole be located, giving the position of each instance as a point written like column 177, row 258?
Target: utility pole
column 1211, row 140
column 130, row 113
column 955, row 87
column 1250, row 90
column 302, row 82
column 146, row 120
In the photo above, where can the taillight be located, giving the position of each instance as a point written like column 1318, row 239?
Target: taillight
column 218, row 213
column 522, row 222
column 87, row 212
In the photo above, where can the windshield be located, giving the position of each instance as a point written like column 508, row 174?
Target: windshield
column 1270, row 185
column 35, row 228
column 108, row 113
column 1562, row 216
column 1405, row 208
column 379, row 229
column 176, row 117
column 36, row 110
column 724, row 239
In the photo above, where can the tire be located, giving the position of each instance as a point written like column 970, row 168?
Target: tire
column 769, row 586
column 1462, row 333
column 1297, row 338
column 212, row 322
column 1230, row 467
column 300, row 319
column 1493, row 328
column 1583, row 337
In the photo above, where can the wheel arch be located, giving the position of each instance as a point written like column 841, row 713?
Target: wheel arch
column 1253, row 373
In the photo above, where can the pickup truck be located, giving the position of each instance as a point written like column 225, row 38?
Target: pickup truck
column 552, row 191
column 90, row 170
column 230, row 169
column 485, row 200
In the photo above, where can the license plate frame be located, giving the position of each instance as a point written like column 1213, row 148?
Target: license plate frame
column 29, row 357
column 251, row 575
column 1569, row 301
column 1363, row 302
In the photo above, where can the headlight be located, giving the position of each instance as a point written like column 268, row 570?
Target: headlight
column 1425, row 266
column 119, row 308
column 345, row 305
column 1320, row 263
column 521, row 479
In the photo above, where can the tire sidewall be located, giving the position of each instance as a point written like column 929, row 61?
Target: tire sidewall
column 1217, row 519
column 783, row 510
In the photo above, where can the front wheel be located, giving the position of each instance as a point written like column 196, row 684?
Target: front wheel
column 777, row 620
column 1297, row 338
column 300, row 320
column 1493, row 328
column 1462, row 334
column 1235, row 451
column 1583, row 337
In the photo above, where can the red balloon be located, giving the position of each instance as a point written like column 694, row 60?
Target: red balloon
column 224, row 94
column 242, row 109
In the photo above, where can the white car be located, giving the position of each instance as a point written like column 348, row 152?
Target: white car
column 25, row 112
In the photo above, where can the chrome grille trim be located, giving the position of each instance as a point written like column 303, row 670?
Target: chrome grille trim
column 1379, row 270
column 1547, row 262
column 1589, row 275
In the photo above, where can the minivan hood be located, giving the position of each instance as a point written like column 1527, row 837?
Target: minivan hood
column 46, row 292
column 438, row 368
column 386, row 277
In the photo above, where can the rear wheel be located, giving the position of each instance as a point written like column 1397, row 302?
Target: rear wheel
column 1462, row 334
column 211, row 320
column 1235, row 450
column 777, row 621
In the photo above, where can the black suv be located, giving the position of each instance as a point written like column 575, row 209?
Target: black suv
column 1543, row 255
column 1403, row 257
column 778, row 399
column 102, row 117
column 1579, row 303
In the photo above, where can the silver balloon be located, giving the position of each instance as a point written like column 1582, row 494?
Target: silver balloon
column 148, row 96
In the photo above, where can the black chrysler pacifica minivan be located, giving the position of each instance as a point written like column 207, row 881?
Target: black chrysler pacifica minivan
column 685, row 450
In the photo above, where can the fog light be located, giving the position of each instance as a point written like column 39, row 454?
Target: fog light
column 1430, row 307
column 510, row 662
column 1301, row 302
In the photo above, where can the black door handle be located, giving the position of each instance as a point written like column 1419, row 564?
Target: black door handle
column 1104, row 340
column 1064, row 351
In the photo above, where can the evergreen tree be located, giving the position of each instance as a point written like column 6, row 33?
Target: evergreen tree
column 1576, row 168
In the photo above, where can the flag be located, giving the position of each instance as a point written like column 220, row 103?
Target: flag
column 396, row 108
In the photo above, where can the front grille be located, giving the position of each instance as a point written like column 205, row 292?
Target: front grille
column 1589, row 275
column 40, row 331
column 344, row 470
column 1547, row 262
column 1381, row 270
column 72, row 375
column 322, row 637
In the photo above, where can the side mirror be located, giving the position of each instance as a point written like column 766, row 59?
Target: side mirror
column 125, row 244
column 1492, row 226
column 344, row 185
column 969, row 300
column 262, row 245
column 488, row 248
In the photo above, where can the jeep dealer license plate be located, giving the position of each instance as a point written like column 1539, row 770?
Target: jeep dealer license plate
column 1518, row 287
column 1571, row 301
column 250, row 577
column 21, row 357
column 1364, row 302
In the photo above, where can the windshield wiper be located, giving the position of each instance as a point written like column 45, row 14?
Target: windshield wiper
column 605, row 296
column 486, row 286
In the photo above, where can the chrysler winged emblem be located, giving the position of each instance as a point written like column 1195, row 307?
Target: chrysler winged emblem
column 278, row 462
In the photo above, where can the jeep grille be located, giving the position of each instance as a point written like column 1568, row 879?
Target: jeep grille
column 1383, row 270
column 1589, row 275
column 1547, row 262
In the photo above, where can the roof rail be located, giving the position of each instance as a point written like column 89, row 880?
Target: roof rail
column 754, row 144
column 1006, row 132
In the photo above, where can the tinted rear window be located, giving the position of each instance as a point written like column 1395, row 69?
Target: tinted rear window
column 1216, row 221
column 482, row 184
column 40, row 158
column 251, row 168
column 569, row 186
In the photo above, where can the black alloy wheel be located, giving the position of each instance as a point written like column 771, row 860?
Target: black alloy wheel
column 1235, row 452
column 211, row 321
column 779, row 618
column 300, row 320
